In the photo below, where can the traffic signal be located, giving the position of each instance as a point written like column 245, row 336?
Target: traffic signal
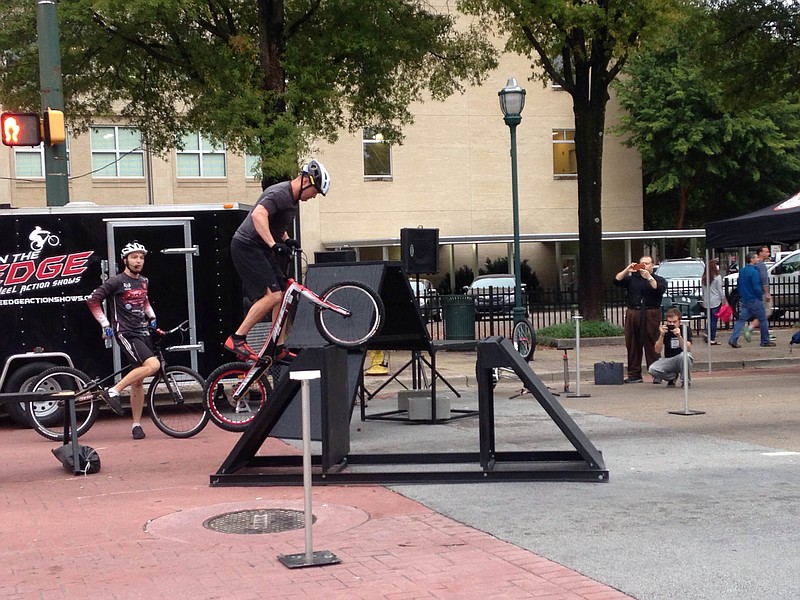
column 54, row 131
column 20, row 129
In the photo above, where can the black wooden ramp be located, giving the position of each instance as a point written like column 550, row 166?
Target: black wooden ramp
column 337, row 465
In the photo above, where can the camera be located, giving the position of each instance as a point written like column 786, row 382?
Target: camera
column 671, row 326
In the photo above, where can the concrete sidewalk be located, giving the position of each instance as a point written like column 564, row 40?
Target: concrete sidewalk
column 548, row 362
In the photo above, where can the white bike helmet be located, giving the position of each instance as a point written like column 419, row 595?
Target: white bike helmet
column 320, row 178
column 131, row 247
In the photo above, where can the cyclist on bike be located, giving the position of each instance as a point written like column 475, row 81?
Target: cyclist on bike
column 132, row 318
column 261, row 249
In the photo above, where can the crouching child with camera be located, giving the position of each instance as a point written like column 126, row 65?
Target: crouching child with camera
column 670, row 339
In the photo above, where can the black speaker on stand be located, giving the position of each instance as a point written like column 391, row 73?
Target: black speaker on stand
column 419, row 250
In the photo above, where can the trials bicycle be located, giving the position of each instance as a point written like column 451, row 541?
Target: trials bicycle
column 346, row 314
column 174, row 397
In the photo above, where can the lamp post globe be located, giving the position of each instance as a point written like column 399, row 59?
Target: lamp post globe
column 512, row 101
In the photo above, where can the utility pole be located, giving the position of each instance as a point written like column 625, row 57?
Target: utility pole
column 52, row 92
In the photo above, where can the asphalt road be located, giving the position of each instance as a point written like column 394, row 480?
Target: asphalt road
column 702, row 507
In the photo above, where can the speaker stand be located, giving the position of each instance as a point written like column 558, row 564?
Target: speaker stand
column 419, row 381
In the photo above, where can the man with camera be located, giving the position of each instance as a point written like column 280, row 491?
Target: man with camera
column 644, row 291
column 671, row 341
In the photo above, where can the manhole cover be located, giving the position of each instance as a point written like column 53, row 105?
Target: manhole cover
column 263, row 520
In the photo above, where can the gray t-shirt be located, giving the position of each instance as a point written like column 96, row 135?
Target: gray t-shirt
column 280, row 206
column 763, row 273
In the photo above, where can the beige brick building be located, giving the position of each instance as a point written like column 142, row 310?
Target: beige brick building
column 452, row 172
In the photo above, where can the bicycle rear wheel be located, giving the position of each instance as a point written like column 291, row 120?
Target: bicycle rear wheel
column 218, row 396
column 524, row 338
column 365, row 318
column 176, row 403
column 41, row 413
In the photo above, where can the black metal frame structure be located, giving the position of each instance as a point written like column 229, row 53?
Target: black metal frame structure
column 336, row 465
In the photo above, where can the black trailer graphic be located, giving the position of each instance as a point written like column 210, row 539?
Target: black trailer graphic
column 52, row 258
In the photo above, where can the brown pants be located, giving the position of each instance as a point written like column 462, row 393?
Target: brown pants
column 638, row 338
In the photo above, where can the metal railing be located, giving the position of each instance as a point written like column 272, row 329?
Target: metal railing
column 546, row 307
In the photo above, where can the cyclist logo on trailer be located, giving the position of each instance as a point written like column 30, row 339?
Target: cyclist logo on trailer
column 39, row 237
column 28, row 273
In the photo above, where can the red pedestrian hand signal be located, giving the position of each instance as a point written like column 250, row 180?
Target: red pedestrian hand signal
column 20, row 129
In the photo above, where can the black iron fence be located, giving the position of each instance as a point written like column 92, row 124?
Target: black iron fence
column 546, row 307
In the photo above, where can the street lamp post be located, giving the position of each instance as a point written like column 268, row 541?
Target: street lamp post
column 512, row 101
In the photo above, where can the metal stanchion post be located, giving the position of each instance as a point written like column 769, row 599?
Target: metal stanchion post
column 309, row 558
column 577, row 393
column 686, row 374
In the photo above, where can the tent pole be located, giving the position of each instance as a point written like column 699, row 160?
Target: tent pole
column 708, row 309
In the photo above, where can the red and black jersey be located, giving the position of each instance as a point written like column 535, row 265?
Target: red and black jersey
column 129, row 306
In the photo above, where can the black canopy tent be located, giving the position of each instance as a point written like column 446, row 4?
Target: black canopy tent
column 779, row 223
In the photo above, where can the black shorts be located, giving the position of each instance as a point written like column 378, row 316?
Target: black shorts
column 257, row 268
column 136, row 348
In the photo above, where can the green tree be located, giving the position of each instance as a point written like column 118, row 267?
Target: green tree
column 269, row 77
column 582, row 46
column 702, row 160
column 754, row 49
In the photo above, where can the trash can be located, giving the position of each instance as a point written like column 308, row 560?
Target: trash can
column 459, row 317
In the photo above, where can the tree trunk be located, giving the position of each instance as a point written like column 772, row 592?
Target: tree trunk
column 590, row 112
column 271, row 21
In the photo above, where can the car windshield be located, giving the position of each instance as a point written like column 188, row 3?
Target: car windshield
column 678, row 270
column 503, row 282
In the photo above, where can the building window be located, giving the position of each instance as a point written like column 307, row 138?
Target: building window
column 251, row 170
column 116, row 152
column 558, row 65
column 565, row 165
column 200, row 158
column 377, row 155
column 29, row 162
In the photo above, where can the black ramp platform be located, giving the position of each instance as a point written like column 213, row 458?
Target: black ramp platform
column 402, row 329
column 337, row 465
column 331, row 401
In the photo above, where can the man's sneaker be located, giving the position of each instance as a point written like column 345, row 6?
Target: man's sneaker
column 671, row 383
column 734, row 345
column 747, row 334
column 634, row 380
column 656, row 380
column 239, row 347
column 137, row 432
column 285, row 356
column 768, row 345
column 112, row 401
column 772, row 337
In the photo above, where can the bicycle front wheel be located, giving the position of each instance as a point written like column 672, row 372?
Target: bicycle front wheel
column 224, row 411
column 524, row 338
column 175, row 402
column 41, row 414
column 355, row 329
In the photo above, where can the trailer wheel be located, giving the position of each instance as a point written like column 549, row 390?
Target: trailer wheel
column 21, row 380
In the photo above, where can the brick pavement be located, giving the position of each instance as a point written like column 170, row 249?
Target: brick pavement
column 134, row 530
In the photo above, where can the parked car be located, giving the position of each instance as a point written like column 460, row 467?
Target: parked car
column 784, row 285
column 494, row 295
column 684, row 276
column 430, row 305
column 684, row 284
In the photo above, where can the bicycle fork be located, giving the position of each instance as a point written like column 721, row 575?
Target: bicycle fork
column 255, row 372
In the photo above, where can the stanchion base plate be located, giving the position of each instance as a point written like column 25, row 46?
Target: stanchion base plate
column 579, row 395
column 318, row 559
column 687, row 413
